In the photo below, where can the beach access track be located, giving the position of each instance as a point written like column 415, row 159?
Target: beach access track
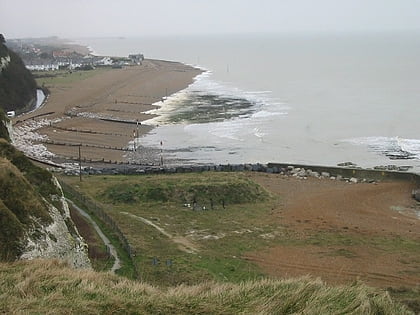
column 107, row 242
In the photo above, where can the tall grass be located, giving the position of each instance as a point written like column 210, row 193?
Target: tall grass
column 50, row 287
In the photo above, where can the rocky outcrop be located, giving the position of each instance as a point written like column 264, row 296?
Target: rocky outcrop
column 4, row 62
column 59, row 239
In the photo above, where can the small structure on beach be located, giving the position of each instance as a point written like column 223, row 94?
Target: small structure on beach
column 136, row 58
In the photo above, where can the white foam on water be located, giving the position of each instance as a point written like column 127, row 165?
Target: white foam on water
column 410, row 145
column 265, row 114
column 389, row 145
column 225, row 130
column 264, row 104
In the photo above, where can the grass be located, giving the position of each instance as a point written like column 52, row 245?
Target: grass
column 407, row 296
column 20, row 203
column 19, row 196
column 203, row 189
column 49, row 287
column 97, row 250
column 40, row 178
column 62, row 77
column 220, row 236
column 4, row 133
column 127, row 269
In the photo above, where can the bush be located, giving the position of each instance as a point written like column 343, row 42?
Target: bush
column 232, row 191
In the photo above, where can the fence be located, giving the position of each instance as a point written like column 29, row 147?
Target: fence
column 95, row 209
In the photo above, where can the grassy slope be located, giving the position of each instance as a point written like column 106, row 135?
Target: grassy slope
column 40, row 178
column 97, row 251
column 19, row 203
column 49, row 287
column 22, row 189
column 3, row 129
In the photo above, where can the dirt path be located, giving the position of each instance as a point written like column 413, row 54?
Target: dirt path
column 112, row 250
column 344, row 231
column 183, row 243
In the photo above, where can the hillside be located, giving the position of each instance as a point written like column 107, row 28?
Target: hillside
column 17, row 85
column 51, row 287
column 34, row 216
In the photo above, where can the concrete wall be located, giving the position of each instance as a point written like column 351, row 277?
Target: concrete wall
column 342, row 173
column 354, row 172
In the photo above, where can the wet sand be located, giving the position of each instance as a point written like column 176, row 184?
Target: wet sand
column 101, row 112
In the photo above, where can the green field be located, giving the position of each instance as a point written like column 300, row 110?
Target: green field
column 177, row 242
column 60, row 77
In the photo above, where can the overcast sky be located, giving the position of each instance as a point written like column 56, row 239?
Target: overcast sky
column 87, row 18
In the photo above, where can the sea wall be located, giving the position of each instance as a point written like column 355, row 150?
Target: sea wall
column 349, row 174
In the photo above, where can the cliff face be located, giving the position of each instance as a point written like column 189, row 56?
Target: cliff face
column 57, row 239
column 17, row 85
column 34, row 216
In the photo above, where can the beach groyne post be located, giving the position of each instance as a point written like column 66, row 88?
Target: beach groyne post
column 80, row 163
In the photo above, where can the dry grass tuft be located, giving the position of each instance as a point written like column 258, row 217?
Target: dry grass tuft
column 50, row 287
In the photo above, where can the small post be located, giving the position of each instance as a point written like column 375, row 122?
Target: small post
column 161, row 153
column 80, row 164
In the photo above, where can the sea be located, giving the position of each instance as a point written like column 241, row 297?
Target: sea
column 317, row 99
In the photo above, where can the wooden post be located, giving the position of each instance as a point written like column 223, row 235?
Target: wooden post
column 80, row 164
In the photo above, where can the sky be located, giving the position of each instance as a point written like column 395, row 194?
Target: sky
column 103, row 18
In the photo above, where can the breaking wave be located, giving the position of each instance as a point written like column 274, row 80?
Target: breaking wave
column 395, row 148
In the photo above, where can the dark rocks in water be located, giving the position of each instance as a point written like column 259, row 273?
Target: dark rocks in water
column 400, row 155
column 203, row 108
column 392, row 168
column 347, row 164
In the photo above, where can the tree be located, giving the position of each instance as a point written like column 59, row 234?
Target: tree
column 2, row 39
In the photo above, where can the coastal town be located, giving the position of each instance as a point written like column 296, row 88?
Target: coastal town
column 52, row 53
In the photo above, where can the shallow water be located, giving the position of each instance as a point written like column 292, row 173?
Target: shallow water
column 319, row 99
